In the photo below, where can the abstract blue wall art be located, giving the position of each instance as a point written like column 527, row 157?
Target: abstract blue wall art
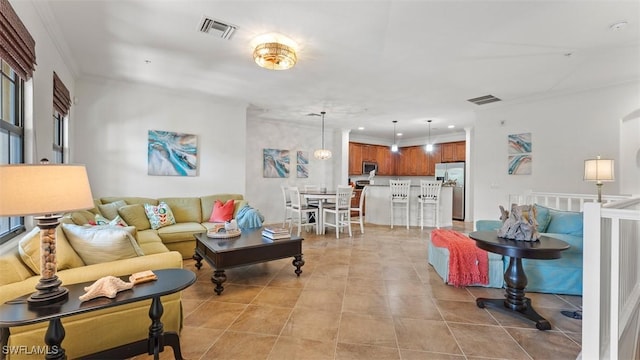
column 172, row 154
column 520, row 143
column 303, row 157
column 275, row 163
column 520, row 164
column 302, row 171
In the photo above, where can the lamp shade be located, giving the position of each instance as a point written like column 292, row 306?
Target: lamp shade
column 598, row 170
column 43, row 189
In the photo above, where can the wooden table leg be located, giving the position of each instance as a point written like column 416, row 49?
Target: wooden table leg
column 298, row 262
column 515, row 301
column 218, row 278
column 53, row 338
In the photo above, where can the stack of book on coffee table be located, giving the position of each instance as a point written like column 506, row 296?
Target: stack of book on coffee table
column 276, row 233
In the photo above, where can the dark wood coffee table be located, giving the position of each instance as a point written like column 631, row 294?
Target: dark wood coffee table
column 18, row 313
column 248, row 248
column 546, row 248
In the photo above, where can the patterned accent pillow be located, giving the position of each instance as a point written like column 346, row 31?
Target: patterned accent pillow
column 117, row 221
column 159, row 215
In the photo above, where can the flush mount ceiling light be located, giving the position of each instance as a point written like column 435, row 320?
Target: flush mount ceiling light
column 429, row 146
column 274, row 52
column 394, row 146
column 322, row 153
column 618, row 26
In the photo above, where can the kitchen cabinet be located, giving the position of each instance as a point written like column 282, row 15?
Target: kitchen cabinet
column 453, row 151
column 355, row 158
column 384, row 158
column 369, row 153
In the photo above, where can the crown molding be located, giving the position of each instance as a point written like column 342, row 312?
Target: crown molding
column 45, row 14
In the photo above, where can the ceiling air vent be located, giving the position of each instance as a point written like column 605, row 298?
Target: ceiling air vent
column 484, row 99
column 216, row 27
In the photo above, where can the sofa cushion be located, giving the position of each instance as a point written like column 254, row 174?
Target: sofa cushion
column 565, row 222
column 150, row 242
column 80, row 217
column 99, row 244
column 130, row 200
column 117, row 221
column 134, row 215
column 12, row 268
column 159, row 215
column 222, row 212
column 543, row 217
column 180, row 232
column 110, row 210
column 208, row 201
column 185, row 209
column 29, row 249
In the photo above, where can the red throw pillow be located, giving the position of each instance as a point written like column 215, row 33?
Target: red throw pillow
column 222, row 213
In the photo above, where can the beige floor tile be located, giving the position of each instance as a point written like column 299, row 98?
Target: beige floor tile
column 276, row 296
column 288, row 348
column 261, row 319
column 365, row 352
column 464, row 312
column 425, row 335
column 371, row 286
column 195, row 342
column 487, row 341
column 407, row 288
column 189, row 305
column 325, row 300
column 366, row 304
column 367, row 330
column 321, row 282
column 243, row 294
column 414, row 307
column 214, row 315
column 545, row 344
column 425, row 355
column 236, row 346
column 312, row 325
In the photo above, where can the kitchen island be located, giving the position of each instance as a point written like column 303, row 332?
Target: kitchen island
column 378, row 207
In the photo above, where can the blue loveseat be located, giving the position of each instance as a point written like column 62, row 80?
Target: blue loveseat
column 559, row 276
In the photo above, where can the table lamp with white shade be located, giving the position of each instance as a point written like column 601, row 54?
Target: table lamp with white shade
column 45, row 192
column 598, row 170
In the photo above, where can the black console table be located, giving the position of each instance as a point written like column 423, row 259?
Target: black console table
column 18, row 313
column 546, row 248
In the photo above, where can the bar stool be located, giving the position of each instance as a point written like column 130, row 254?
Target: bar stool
column 357, row 213
column 430, row 196
column 400, row 197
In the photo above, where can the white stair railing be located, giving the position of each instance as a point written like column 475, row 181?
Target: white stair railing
column 561, row 201
column 611, row 282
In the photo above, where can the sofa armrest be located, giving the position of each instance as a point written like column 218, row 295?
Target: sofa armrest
column 172, row 259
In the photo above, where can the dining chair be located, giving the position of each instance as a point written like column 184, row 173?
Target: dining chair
column 313, row 188
column 287, row 204
column 298, row 210
column 357, row 213
column 400, row 197
column 430, row 196
column 341, row 210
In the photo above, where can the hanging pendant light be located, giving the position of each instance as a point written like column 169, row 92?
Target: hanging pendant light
column 322, row 153
column 429, row 146
column 394, row 146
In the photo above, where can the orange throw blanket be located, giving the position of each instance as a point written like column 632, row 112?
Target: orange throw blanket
column 468, row 264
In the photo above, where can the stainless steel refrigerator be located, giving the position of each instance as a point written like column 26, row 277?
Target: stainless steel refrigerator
column 449, row 172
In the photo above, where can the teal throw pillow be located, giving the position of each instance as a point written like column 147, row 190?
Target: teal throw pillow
column 565, row 222
column 543, row 217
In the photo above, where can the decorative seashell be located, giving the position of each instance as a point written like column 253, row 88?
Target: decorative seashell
column 108, row 286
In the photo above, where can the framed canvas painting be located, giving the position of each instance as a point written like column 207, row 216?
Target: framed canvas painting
column 520, row 164
column 519, row 143
column 275, row 163
column 172, row 153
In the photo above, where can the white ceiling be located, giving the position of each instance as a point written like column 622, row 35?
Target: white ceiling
column 365, row 63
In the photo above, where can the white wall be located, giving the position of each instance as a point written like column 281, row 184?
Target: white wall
column 39, row 112
column 629, row 164
column 264, row 193
column 111, row 123
column 565, row 130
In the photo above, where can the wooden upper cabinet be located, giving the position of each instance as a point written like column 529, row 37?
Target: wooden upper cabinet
column 453, row 151
column 355, row 159
column 434, row 158
column 461, row 151
column 384, row 158
column 369, row 152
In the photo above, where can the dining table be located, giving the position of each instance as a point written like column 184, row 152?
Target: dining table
column 323, row 198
